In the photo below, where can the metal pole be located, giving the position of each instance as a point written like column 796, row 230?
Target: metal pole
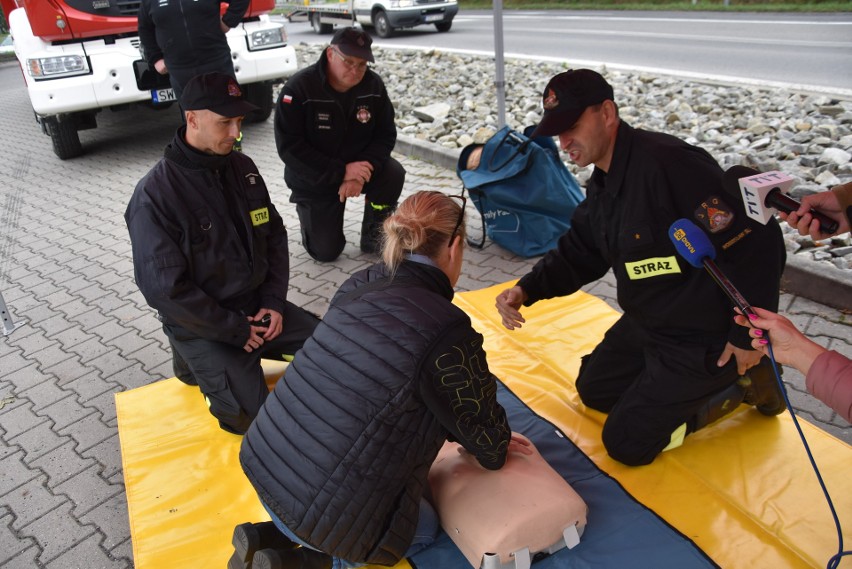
column 500, row 81
column 9, row 324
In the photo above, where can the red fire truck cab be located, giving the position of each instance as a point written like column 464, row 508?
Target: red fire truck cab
column 79, row 57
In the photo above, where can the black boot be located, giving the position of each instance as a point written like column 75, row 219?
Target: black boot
column 718, row 406
column 762, row 389
column 757, row 387
column 249, row 538
column 301, row 558
column 371, row 228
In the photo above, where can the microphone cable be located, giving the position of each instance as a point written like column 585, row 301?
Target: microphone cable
column 834, row 561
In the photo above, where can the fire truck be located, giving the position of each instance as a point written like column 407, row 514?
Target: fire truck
column 79, row 57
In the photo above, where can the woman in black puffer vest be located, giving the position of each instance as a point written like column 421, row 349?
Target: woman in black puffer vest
column 340, row 452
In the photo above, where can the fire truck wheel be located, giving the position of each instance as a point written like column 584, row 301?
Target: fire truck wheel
column 66, row 139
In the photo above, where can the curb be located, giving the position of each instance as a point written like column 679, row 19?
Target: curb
column 817, row 281
column 428, row 152
column 802, row 277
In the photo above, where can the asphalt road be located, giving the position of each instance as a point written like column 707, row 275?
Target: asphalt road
column 808, row 51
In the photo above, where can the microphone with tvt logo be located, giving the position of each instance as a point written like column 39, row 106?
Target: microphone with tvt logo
column 764, row 193
column 695, row 247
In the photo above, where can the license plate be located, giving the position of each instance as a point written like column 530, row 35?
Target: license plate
column 163, row 95
column 434, row 17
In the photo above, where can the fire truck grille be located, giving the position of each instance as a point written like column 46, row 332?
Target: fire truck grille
column 107, row 8
column 128, row 7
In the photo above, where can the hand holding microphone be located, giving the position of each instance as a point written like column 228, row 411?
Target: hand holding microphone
column 828, row 203
column 765, row 193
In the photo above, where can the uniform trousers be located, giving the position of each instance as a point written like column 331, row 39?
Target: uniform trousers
column 321, row 218
column 650, row 384
column 230, row 378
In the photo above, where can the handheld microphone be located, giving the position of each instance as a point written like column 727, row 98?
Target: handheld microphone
column 693, row 245
column 764, row 193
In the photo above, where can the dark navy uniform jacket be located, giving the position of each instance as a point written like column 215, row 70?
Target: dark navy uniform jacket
column 654, row 180
column 209, row 247
column 186, row 32
column 318, row 131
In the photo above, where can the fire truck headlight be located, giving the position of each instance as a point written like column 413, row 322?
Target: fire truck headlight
column 268, row 38
column 60, row 66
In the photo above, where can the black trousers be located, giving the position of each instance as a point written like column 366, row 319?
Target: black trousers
column 321, row 219
column 230, row 378
column 650, row 384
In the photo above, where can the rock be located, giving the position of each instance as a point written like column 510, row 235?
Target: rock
column 449, row 100
column 433, row 112
column 835, row 156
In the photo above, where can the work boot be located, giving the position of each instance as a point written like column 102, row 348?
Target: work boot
column 371, row 228
column 249, row 538
column 301, row 558
column 719, row 405
column 761, row 388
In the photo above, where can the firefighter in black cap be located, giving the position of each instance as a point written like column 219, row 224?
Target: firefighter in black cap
column 675, row 361
column 210, row 255
column 334, row 128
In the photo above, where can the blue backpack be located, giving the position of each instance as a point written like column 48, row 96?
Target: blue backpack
column 523, row 191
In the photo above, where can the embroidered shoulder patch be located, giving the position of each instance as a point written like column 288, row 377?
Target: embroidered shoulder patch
column 363, row 114
column 714, row 214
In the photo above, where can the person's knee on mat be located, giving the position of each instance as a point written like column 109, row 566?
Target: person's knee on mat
column 627, row 449
column 231, row 418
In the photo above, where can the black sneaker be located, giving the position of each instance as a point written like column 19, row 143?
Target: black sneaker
column 762, row 390
column 249, row 538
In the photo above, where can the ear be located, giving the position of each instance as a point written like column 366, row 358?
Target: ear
column 191, row 119
column 456, row 248
column 610, row 112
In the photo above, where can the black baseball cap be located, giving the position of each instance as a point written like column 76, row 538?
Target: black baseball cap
column 566, row 97
column 215, row 92
column 354, row 42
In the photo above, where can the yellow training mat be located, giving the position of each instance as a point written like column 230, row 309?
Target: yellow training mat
column 742, row 490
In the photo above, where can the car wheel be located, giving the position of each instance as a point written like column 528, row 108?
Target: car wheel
column 382, row 24
column 444, row 26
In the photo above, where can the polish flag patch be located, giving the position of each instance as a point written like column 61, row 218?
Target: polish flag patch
column 287, row 99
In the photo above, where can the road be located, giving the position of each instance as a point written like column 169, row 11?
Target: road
column 807, row 51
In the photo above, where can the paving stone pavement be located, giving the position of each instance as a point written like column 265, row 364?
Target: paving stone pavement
column 66, row 275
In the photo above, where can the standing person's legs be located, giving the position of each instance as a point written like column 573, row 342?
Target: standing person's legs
column 321, row 223
column 230, row 378
column 382, row 194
